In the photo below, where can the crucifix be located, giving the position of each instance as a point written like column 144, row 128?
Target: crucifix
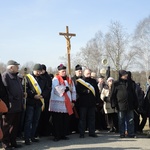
column 68, row 36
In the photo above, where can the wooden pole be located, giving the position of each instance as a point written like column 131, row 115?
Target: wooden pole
column 25, row 87
column 68, row 36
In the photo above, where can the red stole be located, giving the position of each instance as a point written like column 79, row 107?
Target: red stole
column 67, row 100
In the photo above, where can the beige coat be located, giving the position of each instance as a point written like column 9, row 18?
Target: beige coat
column 107, row 105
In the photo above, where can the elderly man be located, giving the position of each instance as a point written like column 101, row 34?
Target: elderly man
column 61, row 102
column 88, row 92
column 15, row 100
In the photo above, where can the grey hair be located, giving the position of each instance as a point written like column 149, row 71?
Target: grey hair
column 9, row 67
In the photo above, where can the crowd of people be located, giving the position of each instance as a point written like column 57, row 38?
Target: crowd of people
column 38, row 104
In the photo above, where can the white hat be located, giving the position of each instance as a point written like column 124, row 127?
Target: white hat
column 110, row 78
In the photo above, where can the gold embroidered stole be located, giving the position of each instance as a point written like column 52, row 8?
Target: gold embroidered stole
column 87, row 85
column 36, row 87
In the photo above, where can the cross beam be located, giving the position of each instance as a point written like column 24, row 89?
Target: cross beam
column 68, row 36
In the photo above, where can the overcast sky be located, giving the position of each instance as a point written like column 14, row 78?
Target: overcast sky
column 29, row 29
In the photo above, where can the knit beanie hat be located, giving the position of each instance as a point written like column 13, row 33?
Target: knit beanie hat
column 43, row 67
column 61, row 67
column 78, row 67
column 37, row 67
column 122, row 72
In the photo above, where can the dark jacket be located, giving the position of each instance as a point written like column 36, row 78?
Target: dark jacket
column 14, row 91
column 49, row 85
column 74, row 78
column 3, row 92
column 31, row 91
column 48, row 79
column 146, row 106
column 123, row 95
column 140, row 96
column 87, row 99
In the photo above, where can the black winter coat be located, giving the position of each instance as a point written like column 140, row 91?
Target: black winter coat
column 123, row 95
column 87, row 99
column 14, row 92
column 49, row 82
column 74, row 78
column 3, row 92
column 31, row 91
column 147, row 103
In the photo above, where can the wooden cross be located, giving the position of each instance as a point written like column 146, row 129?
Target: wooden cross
column 68, row 36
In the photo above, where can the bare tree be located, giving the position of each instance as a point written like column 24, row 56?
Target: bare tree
column 117, row 47
column 64, row 59
column 51, row 70
column 142, row 44
column 114, row 47
column 76, row 59
column 2, row 67
column 91, row 54
column 28, row 65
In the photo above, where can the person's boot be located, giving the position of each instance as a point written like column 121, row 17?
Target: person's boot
column 15, row 145
column 34, row 140
column 27, row 142
column 6, row 146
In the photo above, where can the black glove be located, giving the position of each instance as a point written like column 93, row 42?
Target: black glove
column 140, row 110
column 67, row 89
column 106, row 99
